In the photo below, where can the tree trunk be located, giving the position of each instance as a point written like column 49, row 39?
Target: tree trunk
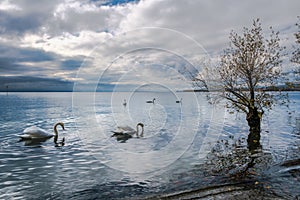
column 253, row 118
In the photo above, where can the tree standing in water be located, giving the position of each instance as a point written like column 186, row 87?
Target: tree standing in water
column 249, row 65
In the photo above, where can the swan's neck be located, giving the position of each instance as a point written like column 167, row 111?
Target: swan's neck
column 137, row 131
column 55, row 128
column 142, row 133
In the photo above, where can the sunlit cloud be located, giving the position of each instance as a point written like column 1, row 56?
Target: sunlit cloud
column 6, row 5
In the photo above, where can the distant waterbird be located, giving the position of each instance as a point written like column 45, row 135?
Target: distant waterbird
column 151, row 101
column 179, row 101
column 124, row 103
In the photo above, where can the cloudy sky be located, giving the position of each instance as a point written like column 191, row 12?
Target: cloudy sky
column 61, row 45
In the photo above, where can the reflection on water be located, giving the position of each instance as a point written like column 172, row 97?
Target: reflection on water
column 90, row 164
column 35, row 142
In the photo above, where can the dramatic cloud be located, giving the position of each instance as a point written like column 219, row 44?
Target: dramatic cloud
column 77, row 40
column 32, row 83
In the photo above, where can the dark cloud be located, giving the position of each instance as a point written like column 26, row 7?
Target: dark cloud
column 9, row 66
column 105, row 87
column 28, row 83
column 14, row 24
column 35, row 55
column 25, row 54
column 71, row 64
column 11, row 59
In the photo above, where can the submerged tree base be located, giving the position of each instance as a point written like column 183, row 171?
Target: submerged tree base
column 253, row 141
column 254, row 119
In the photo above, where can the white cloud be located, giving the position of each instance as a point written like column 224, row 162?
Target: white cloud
column 8, row 6
column 66, row 44
column 209, row 22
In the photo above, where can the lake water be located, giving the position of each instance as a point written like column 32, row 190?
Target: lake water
column 186, row 146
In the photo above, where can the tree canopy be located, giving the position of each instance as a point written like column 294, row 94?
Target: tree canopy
column 296, row 53
column 248, row 66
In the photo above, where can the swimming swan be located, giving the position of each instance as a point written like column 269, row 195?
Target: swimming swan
column 34, row 132
column 124, row 103
column 123, row 133
column 179, row 101
column 151, row 101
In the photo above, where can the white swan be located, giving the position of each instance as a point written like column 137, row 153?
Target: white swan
column 34, row 132
column 151, row 101
column 123, row 133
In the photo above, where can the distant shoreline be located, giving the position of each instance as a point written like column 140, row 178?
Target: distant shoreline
column 265, row 90
column 196, row 90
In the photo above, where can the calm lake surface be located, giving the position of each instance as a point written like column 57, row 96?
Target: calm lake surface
column 186, row 146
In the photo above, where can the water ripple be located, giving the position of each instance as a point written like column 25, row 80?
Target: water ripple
column 81, row 170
